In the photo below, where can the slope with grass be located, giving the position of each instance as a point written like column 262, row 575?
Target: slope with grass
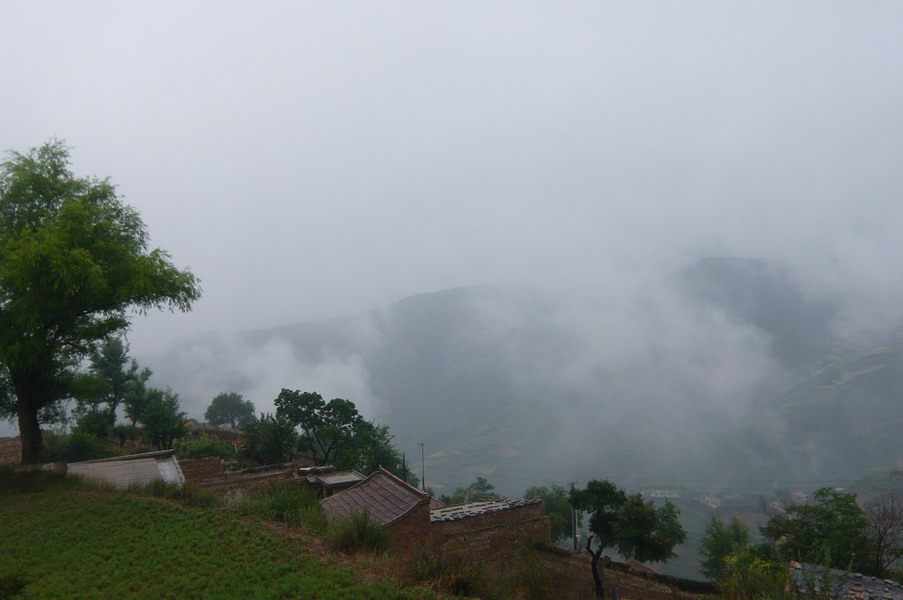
column 82, row 543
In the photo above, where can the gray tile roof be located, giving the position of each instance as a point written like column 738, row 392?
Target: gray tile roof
column 386, row 497
column 472, row 509
column 851, row 586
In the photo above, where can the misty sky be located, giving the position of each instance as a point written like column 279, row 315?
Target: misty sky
column 309, row 159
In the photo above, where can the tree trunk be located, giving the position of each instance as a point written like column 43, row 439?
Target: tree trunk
column 597, row 578
column 29, row 431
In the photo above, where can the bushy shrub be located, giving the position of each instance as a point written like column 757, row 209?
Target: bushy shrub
column 286, row 502
column 187, row 494
column 269, row 440
column 358, row 533
column 203, row 445
column 77, row 446
column 13, row 481
column 11, row 585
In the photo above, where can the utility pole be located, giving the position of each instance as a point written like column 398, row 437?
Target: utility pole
column 573, row 519
column 404, row 468
column 422, row 468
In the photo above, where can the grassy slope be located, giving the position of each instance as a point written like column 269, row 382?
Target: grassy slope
column 81, row 544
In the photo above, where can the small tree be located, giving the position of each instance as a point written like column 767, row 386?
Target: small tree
column 111, row 380
column 269, row 439
column 719, row 544
column 162, row 420
column 229, row 408
column 634, row 528
column 477, row 491
column 327, row 427
column 833, row 525
column 559, row 510
column 885, row 534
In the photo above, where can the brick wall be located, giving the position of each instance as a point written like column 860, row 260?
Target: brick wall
column 493, row 537
column 414, row 530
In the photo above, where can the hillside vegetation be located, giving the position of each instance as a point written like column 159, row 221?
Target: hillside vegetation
column 66, row 540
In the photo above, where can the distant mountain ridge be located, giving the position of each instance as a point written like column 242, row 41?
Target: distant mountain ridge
column 496, row 381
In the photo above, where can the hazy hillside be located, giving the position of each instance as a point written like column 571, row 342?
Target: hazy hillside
column 728, row 371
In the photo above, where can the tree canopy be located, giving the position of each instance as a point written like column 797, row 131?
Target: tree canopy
column 327, row 427
column 719, row 543
column 833, row 525
column 230, row 409
column 625, row 522
column 74, row 260
column 558, row 508
column 112, row 380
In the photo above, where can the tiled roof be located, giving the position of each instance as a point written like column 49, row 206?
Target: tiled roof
column 340, row 478
column 852, row 586
column 386, row 497
column 472, row 509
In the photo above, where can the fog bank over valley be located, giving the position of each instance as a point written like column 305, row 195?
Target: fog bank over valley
column 729, row 370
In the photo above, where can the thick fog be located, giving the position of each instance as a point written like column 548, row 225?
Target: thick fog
column 312, row 161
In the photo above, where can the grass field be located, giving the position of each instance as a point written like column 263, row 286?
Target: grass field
column 82, row 543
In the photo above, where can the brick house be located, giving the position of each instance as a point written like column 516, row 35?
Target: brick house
column 491, row 530
column 390, row 500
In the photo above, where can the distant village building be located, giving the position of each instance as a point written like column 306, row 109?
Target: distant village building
column 662, row 494
column 326, row 481
column 133, row 469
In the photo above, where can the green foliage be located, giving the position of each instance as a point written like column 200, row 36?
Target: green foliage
column 187, row 494
column 834, row 524
column 477, row 491
column 162, row 420
column 229, row 408
column 110, row 381
column 11, row 585
column 117, row 545
column 753, row 577
column 95, row 424
column 286, row 502
column 74, row 259
column 327, row 427
column 558, row 508
column 77, row 446
column 721, row 541
column 269, row 439
column 199, row 446
column 358, row 533
column 13, row 482
column 635, row 528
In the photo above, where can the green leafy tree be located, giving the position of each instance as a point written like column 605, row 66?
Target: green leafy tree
column 719, row 543
column 162, row 420
column 269, row 439
column 834, row 525
column 371, row 447
column 229, row 408
column 477, row 491
column 558, row 508
column 112, row 379
column 74, row 259
column 627, row 524
column 327, row 427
